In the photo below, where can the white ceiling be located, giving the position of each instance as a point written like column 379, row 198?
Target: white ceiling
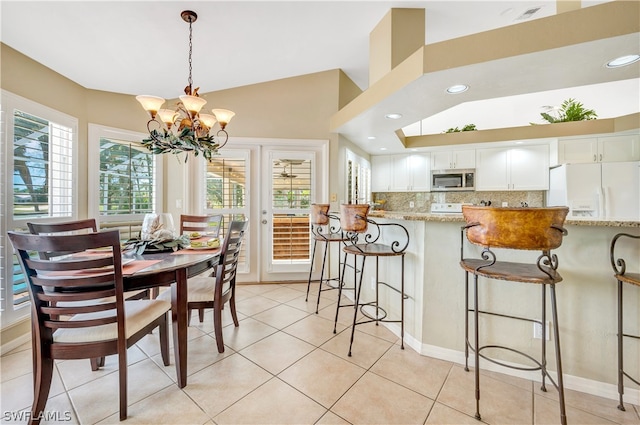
column 141, row 47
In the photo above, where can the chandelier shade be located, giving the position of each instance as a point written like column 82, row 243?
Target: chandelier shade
column 185, row 129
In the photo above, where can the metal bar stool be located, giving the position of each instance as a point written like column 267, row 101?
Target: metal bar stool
column 325, row 229
column 622, row 276
column 538, row 229
column 366, row 241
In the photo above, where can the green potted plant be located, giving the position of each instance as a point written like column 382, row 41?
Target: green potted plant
column 570, row 110
column 468, row 127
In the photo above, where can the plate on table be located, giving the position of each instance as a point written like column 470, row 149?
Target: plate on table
column 198, row 248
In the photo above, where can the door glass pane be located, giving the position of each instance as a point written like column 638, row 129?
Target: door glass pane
column 291, row 199
column 226, row 194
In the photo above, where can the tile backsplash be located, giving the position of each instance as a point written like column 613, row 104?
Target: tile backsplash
column 401, row 201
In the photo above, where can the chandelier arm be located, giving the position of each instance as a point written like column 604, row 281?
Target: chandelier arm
column 226, row 138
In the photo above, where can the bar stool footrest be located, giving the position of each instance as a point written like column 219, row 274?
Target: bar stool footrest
column 379, row 312
column 404, row 296
column 538, row 366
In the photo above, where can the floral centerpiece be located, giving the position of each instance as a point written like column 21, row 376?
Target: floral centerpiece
column 156, row 236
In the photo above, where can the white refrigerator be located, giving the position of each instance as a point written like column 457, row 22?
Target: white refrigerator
column 605, row 191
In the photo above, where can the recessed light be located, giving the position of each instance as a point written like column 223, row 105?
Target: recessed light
column 371, row 137
column 623, row 61
column 383, row 149
column 414, row 150
column 393, row 116
column 458, row 88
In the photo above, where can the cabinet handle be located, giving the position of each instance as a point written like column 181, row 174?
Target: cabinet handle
column 594, row 158
column 600, row 157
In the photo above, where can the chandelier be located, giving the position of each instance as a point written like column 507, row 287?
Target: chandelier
column 185, row 129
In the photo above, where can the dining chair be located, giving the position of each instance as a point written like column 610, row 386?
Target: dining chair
column 75, row 227
column 214, row 292
column 75, row 288
column 205, row 225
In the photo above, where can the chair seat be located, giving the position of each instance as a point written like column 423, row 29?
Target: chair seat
column 371, row 250
column 632, row 278
column 138, row 314
column 516, row 272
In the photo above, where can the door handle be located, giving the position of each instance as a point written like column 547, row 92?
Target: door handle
column 264, row 221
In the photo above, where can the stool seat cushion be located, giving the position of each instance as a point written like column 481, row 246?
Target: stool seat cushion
column 516, row 272
column 372, row 250
column 632, row 278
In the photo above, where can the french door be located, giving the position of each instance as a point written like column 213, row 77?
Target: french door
column 272, row 183
column 292, row 179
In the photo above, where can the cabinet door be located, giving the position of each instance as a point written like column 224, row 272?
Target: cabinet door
column 491, row 169
column 619, row 148
column 381, row 171
column 419, row 172
column 441, row 160
column 529, row 168
column 400, row 178
column 574, row 151
column 463, row 159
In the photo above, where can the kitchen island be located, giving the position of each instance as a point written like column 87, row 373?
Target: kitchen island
column 434, row 312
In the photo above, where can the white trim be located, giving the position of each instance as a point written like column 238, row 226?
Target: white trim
column 17, row 342
column 571, row 382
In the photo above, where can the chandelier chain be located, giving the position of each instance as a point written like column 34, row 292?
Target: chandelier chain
column 190, row 50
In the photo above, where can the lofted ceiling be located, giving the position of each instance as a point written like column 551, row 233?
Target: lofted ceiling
column 141, row 47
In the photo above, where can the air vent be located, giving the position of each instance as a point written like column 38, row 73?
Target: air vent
column 528, row 13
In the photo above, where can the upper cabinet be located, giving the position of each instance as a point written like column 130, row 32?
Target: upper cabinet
column 599, row 149
column 400, row 173
column 459, row 159
column 515, row 168
column 381, row 172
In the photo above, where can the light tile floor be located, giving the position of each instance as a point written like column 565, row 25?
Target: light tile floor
column 284, row 365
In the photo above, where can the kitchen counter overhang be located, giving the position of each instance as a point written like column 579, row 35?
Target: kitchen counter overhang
column 453, row 218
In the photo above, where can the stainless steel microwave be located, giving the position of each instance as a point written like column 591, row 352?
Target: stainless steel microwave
column 446, row 180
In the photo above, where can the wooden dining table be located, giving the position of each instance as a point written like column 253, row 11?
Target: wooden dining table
column 173, row 269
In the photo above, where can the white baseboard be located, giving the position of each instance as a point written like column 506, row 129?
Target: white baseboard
column 15, row 343
column 577, row 383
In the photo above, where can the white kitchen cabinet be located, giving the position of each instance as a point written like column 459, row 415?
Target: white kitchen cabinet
column 459, row 159
column 400, row 173
column 381, row 172
column 419, row 169
column 515, row 168
column 618, row 148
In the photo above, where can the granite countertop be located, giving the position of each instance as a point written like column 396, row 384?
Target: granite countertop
column 452, row 218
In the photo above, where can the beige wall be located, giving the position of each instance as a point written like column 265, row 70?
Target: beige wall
column 291, row 108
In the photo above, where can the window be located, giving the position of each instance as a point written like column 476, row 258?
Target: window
column 38, row 185
column 42, row 167
column 124, row 185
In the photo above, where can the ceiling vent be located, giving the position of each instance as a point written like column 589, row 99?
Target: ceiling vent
column 528, row 13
